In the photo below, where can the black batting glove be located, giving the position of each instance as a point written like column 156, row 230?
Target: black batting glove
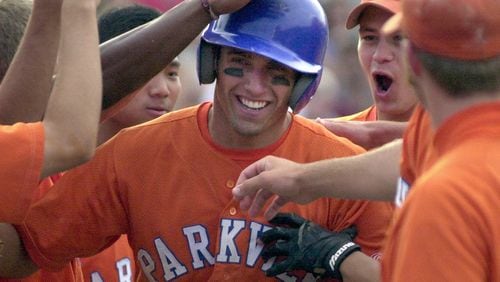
column 306, row 246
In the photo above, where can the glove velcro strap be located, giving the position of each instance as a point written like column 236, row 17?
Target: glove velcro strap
column 338, row 257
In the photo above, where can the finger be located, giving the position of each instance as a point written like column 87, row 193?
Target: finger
column 280, row 267
column 351, row 231
column 245, row 187
column 259, row 201
column 274, row 207
column 277, row 233
column 289, row 219
column 245, row 203
column 277, row 249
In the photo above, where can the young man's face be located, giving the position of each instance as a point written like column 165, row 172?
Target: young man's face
column 381, row 58
column 252, row 92
column 154, row 99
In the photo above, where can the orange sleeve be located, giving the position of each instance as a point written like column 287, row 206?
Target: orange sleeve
column 21, row 163
column 92, row 188
column 371, row 218
column 416, row 142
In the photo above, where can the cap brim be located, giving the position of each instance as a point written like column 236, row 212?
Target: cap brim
column 393, row 25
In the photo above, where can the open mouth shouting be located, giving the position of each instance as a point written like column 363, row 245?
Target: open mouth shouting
column 383, row 83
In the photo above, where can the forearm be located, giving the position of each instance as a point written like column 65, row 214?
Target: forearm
column 14, row 261
column 386, row 132
column 71, row 122
column 371, row 176
column 133, row 58
column 359, row 267
column 25, row 100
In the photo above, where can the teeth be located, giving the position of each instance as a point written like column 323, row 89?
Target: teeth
column 253, row 104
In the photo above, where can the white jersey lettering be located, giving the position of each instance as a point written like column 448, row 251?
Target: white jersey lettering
column 124, row 270
column 401, row 192
column 171, row 265
column 255, row 246
column 230, row 229
column 199, row 249
column 96, row 277
column 147, row 264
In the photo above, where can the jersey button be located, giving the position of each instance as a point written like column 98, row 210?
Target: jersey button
column 230, row 184
column 232, row 211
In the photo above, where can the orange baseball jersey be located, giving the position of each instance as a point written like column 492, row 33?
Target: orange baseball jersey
column 448, row 228
column 167, row 185
column 71, row 272
column 21, row 165
column 116, row 263
column 416, row 151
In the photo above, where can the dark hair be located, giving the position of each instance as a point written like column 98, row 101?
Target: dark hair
column 120, row 20
column 460, row 77
column 14, row 15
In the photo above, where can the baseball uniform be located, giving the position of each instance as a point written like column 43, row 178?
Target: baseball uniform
column 70, row 272
column 21, row 164
column 167, row 185
column 452, row 208
column 116, row 263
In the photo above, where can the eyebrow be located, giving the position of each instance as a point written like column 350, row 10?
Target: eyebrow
column 175, row 63
column 239, row 53
column 367, row 29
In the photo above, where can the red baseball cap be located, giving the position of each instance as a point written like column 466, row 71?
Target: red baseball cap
column 393, row 6
column 457, row 29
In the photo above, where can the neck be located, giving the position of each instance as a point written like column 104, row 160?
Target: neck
column 441, row 106
column 224, row 134
column 396, row 117
column 107, row 130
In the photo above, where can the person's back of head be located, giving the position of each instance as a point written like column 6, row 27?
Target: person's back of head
column 291, row 32
column 457, row 41
column 14, row 15
column 120, row 20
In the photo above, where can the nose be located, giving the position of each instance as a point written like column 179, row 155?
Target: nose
column 158, row 87
column 256, row 82
column 383, row 52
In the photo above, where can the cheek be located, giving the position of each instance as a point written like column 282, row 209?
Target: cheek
column 365, row 58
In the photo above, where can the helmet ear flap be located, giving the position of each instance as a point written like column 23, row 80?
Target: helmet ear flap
column 301, row 93
column 207, row 62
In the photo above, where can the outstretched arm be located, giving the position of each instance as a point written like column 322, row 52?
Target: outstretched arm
column 26, row 86
column 71, row 119
column 154, row 46
column 371, row 176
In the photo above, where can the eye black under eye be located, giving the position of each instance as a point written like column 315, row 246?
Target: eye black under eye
column 279, row 80
column 234, row 72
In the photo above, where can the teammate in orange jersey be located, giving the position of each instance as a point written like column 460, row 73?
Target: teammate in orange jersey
column 157, row 97
column 167, row 183
column 381, row 59
column 451, row 179
column 380, row 56
column 66, row 137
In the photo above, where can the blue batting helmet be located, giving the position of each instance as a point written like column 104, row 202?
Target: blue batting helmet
column 291, row 32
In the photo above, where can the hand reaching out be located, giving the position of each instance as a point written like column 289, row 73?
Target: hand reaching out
column 268, row 177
